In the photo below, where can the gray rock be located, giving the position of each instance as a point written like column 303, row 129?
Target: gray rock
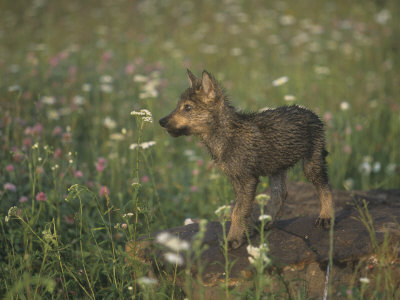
column 299, row 251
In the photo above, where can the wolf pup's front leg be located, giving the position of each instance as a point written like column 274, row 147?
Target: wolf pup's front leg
column 241, row 221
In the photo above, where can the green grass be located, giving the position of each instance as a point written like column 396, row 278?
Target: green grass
column 71, row 73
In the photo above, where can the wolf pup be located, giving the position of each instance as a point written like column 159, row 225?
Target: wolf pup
column 246, row 146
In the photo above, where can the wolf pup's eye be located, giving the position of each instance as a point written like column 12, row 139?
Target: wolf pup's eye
column 187, row 107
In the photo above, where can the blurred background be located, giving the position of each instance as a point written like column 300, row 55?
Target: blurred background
column 72, row 71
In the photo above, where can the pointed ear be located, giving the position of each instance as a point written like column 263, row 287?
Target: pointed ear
column 192, row 79
column 208, row 85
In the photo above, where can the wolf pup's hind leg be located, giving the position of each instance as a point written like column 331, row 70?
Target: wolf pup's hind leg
column 316, row 172
column 278, row 196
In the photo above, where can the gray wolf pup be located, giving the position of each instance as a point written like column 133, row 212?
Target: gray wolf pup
column 246, row 146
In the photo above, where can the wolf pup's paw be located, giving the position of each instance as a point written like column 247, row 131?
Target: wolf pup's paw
column 324, row 223
column 235, row 243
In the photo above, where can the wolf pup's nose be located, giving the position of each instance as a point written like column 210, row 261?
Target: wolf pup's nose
column 163, row 122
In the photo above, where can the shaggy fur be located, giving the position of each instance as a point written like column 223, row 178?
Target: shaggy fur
column 246, row 146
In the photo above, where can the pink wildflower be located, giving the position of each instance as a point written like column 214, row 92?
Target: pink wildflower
column 10, row 168
column 57, row 153
column 347, row 149
column 66, row 137
column 28, row 130
column 72, row 71
column 328, row 116
column 37, row 129
column 27, row 142
column 129, row 68
column 39, row 170
column 101, row 164
column 54, row 61
column 23, row 199
column 78, row 174
column 145, row 179
column 106, row 56
column 103, row 191
column 41, row 197
column 57, row 130
column 69, row 219
column 10, row 187
column 18, row 156
column 194, row 188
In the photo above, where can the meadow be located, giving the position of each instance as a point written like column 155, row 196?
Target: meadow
column 84, row 165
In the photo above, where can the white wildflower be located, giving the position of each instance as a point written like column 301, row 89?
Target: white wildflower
column 172, row 242
column 289, row 98
column 137, row 113
column 133, row 146
column 144, row 281
column 280, row 81
column 53, row 114
column 189, row 153
column 390, row 168
column 287, row 20
column 150, row 89
column 265, row 217
column 208, row 49
column 148, row 119
column 117, row 136
column 188, row 221
column 127, row 215
column 140, row 78
column 322, row 70
column 14, row 88
column 365, row 168
column 106, row 88
column 145, row 114
column 143, row 145
column 258, row 253
column 236, row 51
column 49, row 100
column 223, row 211
column 174, row 258
column 106, row 79
column 364, row 280
column 348, row 184
column 376, row 167
column 383, row 16
column 14, row 68
column 262, row 199
column 344, row 106
column 146, row 145
column 86, row 87
column 109, row 123
column 79, row 100
column 13, row 211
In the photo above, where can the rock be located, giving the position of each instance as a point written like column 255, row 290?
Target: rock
column 299, row 251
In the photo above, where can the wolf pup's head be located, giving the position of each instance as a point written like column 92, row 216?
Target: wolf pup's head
column 196, row 108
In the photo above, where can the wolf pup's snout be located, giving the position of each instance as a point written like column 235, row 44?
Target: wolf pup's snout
column 163, row 122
